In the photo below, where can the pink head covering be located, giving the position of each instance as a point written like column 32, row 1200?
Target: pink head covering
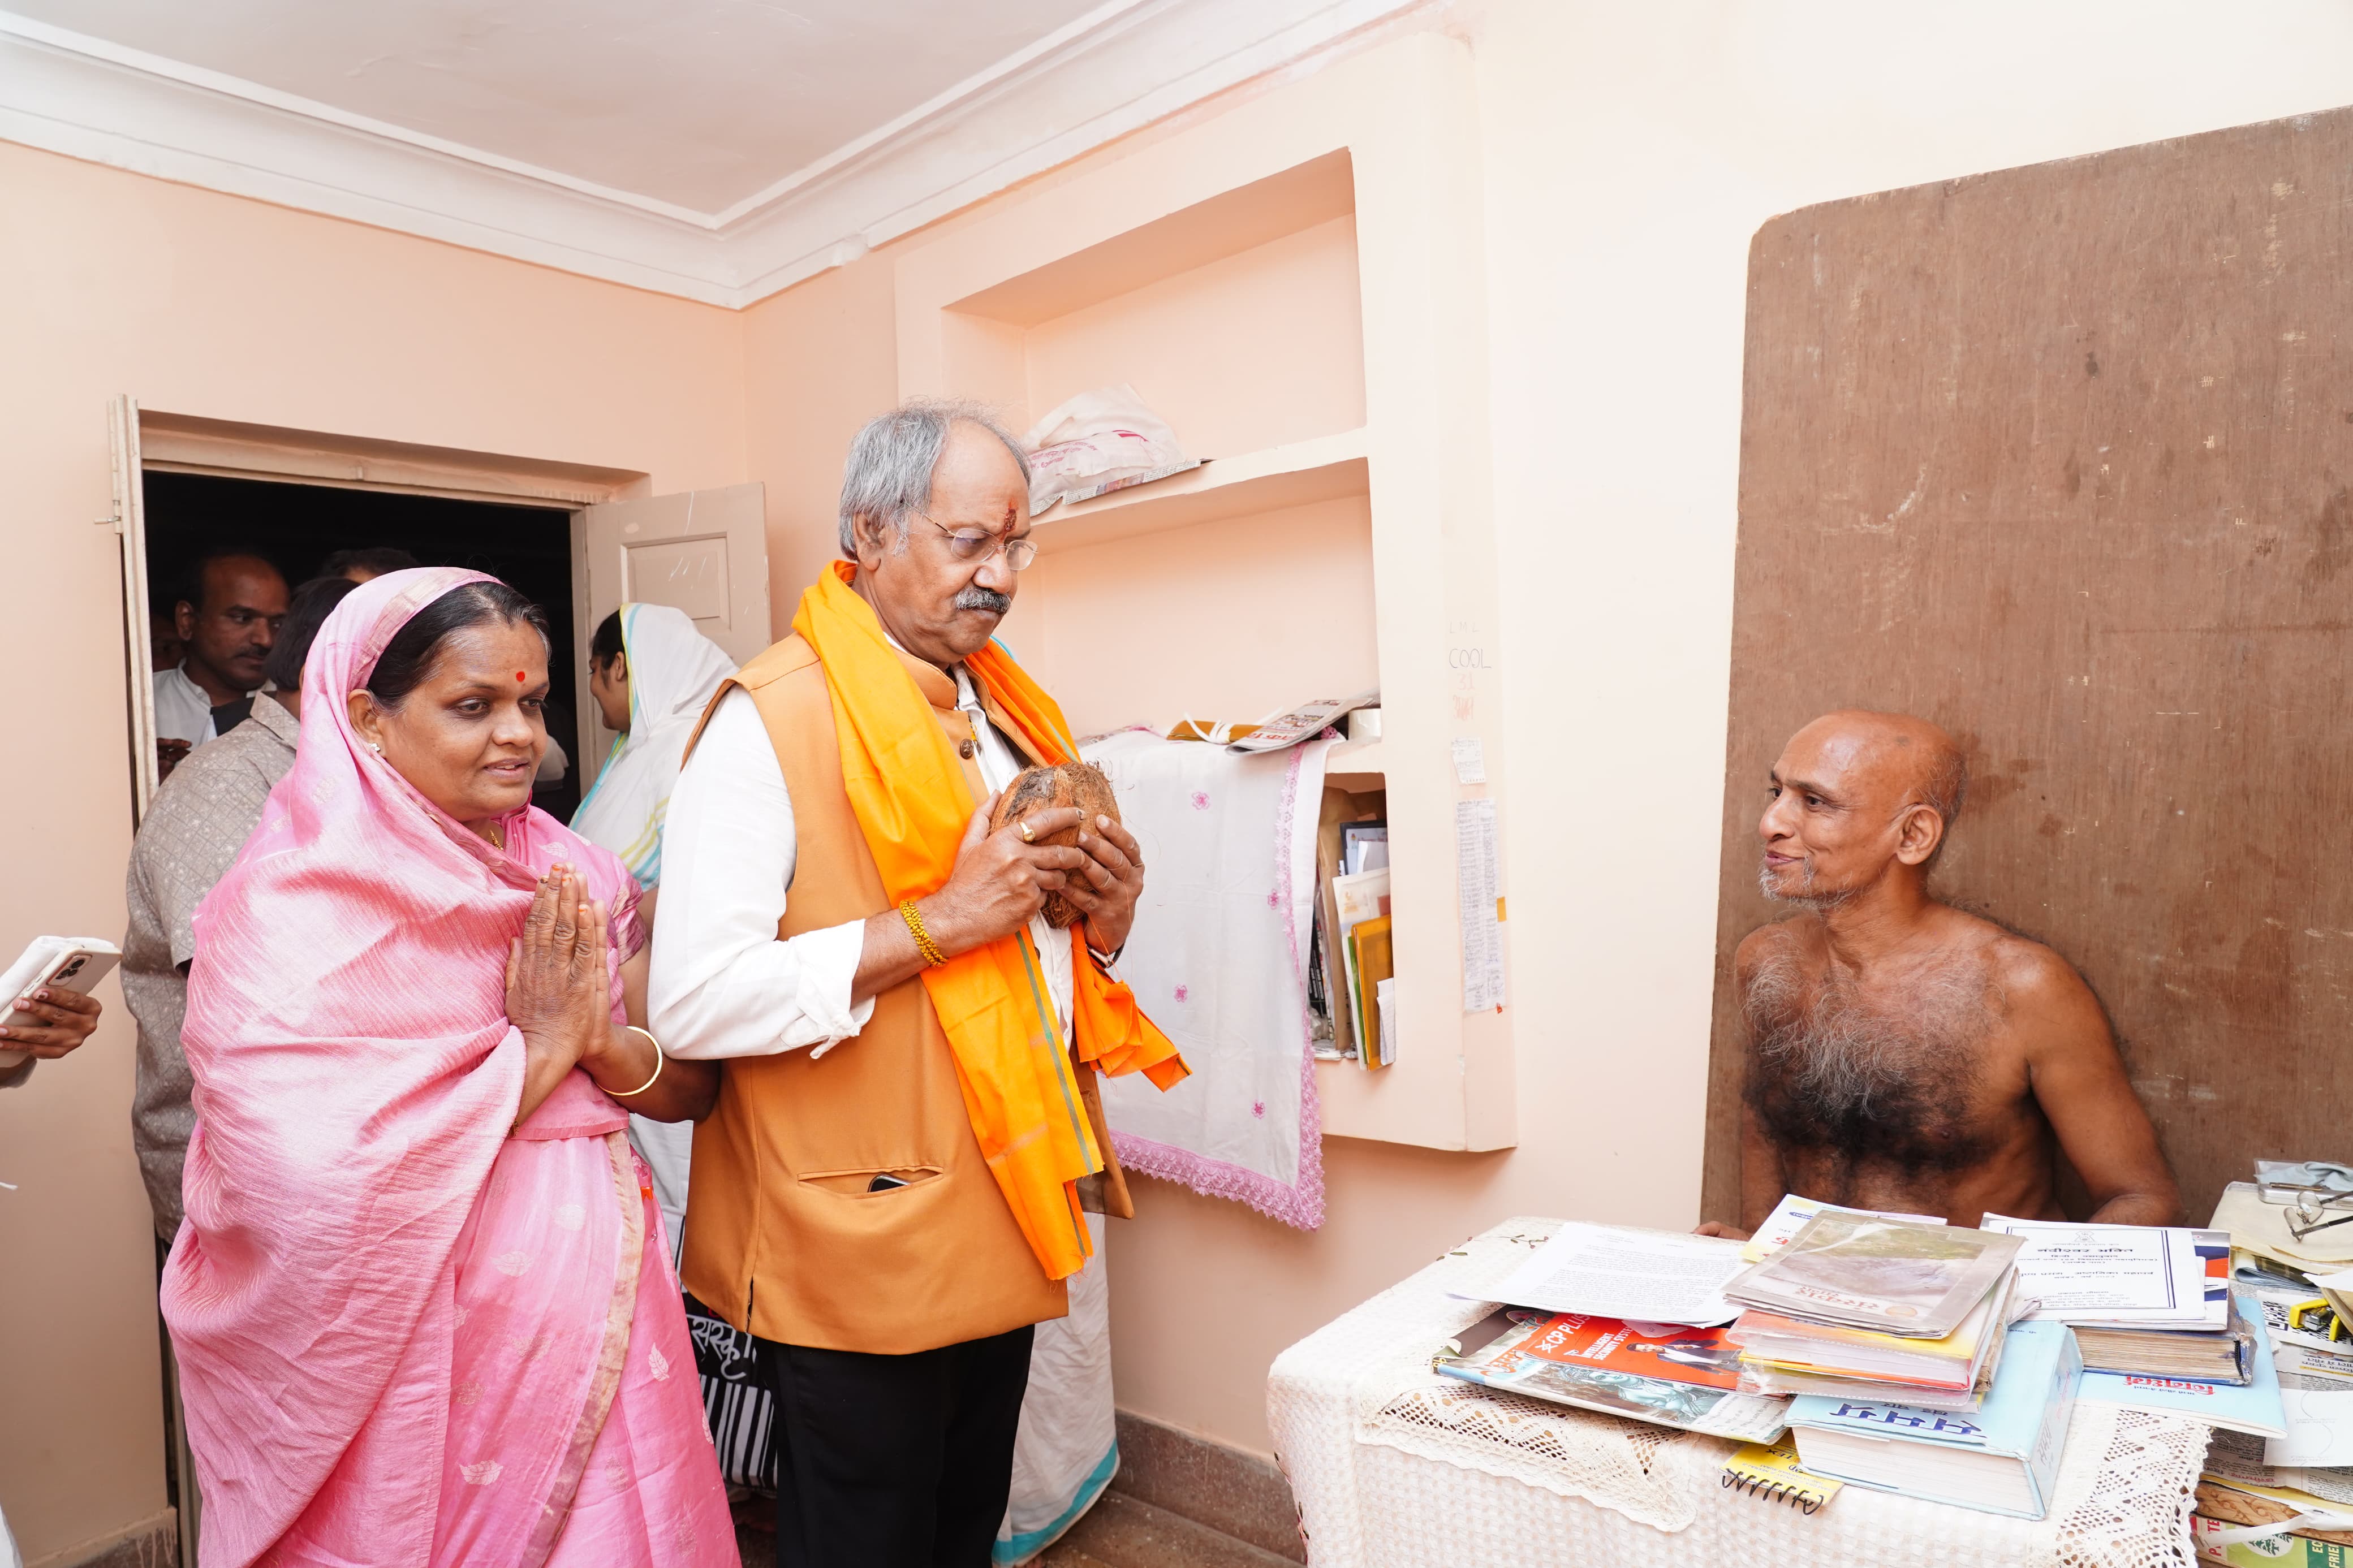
column 355, row 1076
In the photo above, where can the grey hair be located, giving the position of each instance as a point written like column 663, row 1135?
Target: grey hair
column 889, row 473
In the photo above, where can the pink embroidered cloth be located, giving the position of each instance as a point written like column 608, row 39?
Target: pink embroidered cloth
column 404, row 1336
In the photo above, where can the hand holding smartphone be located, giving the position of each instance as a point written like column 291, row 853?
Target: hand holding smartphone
column 64, row 966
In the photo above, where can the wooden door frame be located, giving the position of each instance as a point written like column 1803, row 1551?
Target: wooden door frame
column 147, row 439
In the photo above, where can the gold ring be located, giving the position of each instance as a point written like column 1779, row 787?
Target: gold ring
column 1027, row 837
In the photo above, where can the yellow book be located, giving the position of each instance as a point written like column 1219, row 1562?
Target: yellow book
column 1773, row 1474
column 1369, row 941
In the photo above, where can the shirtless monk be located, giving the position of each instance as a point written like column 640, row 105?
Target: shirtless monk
column 1904, row 1054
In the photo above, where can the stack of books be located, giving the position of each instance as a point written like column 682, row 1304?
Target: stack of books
column 2144, row 1300
column 1894, row 1335
column 2250, row 1512
column 1875, row 1307
column 1354, row 963
column 1782, row 1355
column 2001, row 1459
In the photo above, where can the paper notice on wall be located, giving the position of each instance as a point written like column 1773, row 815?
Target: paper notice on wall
column 1479, row 878
column 1470, row 760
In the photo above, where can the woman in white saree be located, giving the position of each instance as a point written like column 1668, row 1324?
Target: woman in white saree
column 651, row 674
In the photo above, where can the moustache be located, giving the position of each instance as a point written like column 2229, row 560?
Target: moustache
column 979, row 598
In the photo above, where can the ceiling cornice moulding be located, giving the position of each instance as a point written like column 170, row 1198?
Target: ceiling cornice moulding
column 1121, row 67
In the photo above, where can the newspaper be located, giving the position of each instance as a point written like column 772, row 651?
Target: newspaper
column 1303, row 722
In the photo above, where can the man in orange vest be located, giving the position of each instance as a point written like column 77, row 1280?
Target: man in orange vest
column 889, row 1193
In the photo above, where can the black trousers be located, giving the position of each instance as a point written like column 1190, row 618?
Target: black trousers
column 895, row 1461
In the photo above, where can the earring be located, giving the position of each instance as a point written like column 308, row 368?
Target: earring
column 376, row 749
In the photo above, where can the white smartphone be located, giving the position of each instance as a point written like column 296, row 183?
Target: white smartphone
column 60, row 963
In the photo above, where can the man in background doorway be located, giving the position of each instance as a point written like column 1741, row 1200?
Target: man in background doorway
column 190, row 835
column 228, row 617
column 362, row 565
column 193, row 831
column 1903, row 1054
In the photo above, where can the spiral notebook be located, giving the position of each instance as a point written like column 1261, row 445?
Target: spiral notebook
column 1771, row 1474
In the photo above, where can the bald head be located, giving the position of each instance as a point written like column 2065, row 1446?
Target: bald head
column 1856, row 797
column 1916, row 760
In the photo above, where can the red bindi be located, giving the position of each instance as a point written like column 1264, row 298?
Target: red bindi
column 518, row 674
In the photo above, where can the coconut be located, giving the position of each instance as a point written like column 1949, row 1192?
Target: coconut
column 1081, row 785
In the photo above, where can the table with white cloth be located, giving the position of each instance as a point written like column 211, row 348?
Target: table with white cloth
column 1396, row 1467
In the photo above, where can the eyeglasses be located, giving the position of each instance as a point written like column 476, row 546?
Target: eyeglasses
column 2313, row 1211
column 976, row 545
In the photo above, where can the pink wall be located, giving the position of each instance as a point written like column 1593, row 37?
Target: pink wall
column 819, row 361
column 1226, row 631
column 203, row 304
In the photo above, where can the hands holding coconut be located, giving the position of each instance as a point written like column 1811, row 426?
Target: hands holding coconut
column 1051, row 840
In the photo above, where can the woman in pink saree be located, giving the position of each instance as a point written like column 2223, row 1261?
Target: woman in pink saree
column 422, row 1307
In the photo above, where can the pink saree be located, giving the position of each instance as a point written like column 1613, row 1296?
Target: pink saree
column 405, row 1336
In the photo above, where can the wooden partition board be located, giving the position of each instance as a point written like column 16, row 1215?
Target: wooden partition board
column 2061, row 458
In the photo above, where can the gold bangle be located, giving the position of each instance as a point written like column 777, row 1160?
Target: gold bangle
column 933, row 956
column 659, row 1057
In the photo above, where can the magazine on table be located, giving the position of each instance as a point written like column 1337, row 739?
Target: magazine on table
column 1533, row 1353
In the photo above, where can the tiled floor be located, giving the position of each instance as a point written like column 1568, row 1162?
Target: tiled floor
column 1235, row 1510
column 1121, row 1532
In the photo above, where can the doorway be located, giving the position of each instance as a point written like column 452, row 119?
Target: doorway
column 296, row 527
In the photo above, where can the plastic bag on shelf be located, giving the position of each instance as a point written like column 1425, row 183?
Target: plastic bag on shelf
column 1099, row 442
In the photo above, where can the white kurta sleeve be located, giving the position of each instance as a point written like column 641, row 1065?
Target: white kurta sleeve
column 720, row 984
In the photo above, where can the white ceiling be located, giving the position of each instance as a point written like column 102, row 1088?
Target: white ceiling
column 717, row 149
column 697, row 104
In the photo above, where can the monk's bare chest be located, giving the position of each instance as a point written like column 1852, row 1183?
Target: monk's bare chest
column 1919, row 1070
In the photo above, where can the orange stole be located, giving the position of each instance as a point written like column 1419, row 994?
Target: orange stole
column 911, row 803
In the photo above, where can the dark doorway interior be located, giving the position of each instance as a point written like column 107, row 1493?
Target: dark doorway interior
column 299, row 526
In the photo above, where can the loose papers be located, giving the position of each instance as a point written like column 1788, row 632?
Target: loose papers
column 1307, row 719
column 2319, row 1428
column 1648, row 1276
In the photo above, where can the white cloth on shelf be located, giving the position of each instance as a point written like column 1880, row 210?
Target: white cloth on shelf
column 1394, row 1467
column 184, row 711
column 1218, row 958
